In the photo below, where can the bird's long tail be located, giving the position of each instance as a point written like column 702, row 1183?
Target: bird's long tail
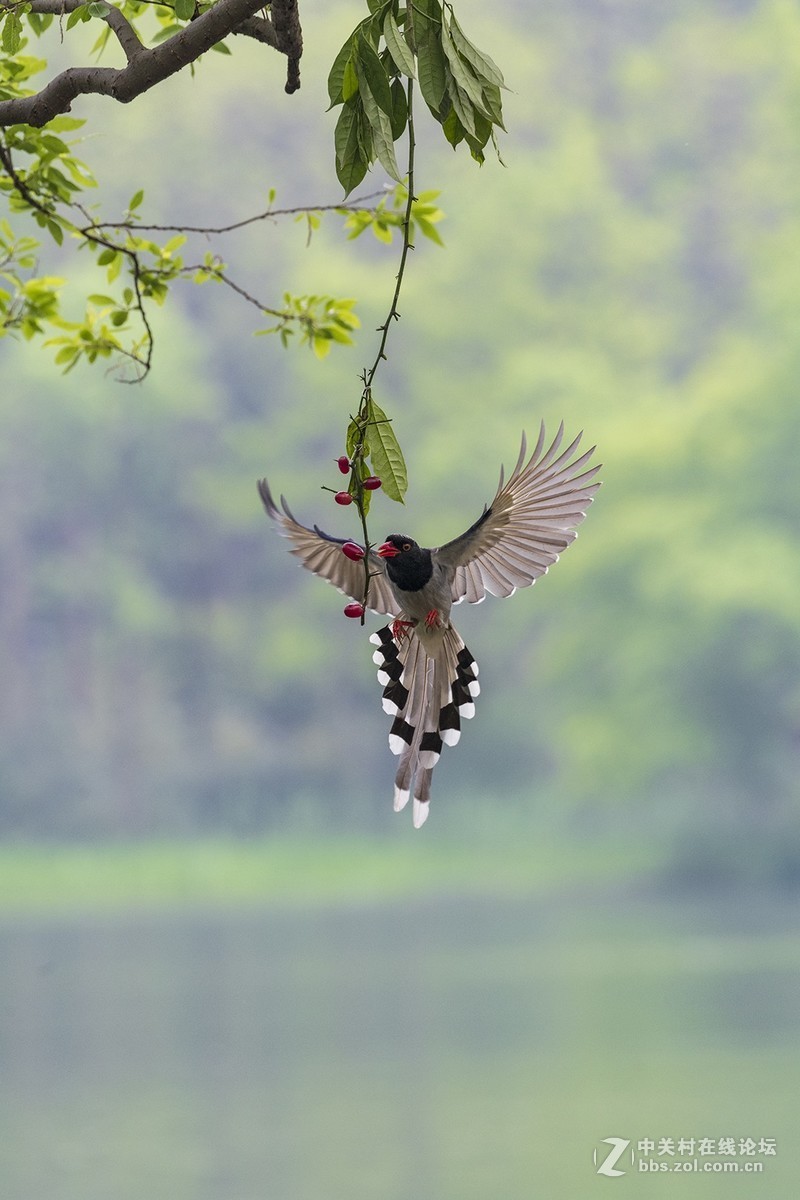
column 428, row 696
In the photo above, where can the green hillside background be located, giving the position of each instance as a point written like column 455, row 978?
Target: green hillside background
column 633, row 271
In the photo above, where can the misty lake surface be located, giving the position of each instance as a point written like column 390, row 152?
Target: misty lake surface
column 449, row 1048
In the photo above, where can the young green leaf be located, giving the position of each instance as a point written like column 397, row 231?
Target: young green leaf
column 12, row 33
column 385, row 454
column 184, row 9
column 349, row 81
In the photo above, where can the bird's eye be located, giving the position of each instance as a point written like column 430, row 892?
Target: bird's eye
column 406, row 545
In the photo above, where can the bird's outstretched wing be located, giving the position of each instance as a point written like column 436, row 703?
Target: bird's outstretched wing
column 322, row 554
column 531, row 520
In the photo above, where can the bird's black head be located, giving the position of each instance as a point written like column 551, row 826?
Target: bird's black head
column 408, row 565
column 397, row 543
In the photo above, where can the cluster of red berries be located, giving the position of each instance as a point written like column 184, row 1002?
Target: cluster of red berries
column 369, row 484
column 352, row 550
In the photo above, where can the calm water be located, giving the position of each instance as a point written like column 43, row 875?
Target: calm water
column 419, row 1052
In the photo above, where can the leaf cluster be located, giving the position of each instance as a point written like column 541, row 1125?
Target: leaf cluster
column 460, row 85
column 319, row 321
column 373, row 449
column 383, row 220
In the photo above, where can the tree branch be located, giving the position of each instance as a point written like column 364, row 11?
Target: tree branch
column 148, row 67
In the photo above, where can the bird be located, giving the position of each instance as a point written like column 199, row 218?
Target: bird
column 429, row 677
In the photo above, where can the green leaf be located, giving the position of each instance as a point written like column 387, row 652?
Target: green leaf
column 399, row 109
column 463, row 106
column 386, row 456
column 453, row 129
column 78, row 14
column 184, row 9
column 483, row 131
column 12, row 33
column 63, row 124
column 351, row 163
column 345, row 136
column 350, row 80
column 336, row 74
column 398, row 47
column 431, row 64
column 494, row 103
column 381, row 134
column 483, row 66
column 463, row 75
column 56, row 231
column 371, row 69
column 135, row 200
column 98, row 9
column 429, row 231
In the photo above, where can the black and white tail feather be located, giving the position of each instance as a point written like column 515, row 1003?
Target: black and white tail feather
column 428, row 697
column 428, row 675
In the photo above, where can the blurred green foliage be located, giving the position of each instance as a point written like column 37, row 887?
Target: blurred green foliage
column 167, row 667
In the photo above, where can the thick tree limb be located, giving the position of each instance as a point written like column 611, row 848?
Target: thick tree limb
column 147, row 67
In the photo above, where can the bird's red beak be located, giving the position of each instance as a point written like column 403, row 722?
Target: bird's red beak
column 387, row 550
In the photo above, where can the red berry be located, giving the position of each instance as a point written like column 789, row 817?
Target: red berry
column 354, row 610
column 372, row 483
column 352, row 550
column 343, row 498
column 344, row 464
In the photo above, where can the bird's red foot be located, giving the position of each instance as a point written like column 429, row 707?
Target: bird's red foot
column 401, row 629
column 432, row 621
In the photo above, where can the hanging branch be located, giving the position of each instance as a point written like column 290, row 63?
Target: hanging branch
column 369, row 435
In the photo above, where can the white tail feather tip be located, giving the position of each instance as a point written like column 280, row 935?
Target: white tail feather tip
column 400, row 799
column 420, row 813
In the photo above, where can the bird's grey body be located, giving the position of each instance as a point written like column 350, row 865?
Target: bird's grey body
column 429, row 676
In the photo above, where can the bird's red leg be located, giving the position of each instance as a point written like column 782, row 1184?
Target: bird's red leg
column 432, row 620
column 400, row 629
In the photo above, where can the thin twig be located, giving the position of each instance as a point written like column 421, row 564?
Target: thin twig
column 357, row 205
